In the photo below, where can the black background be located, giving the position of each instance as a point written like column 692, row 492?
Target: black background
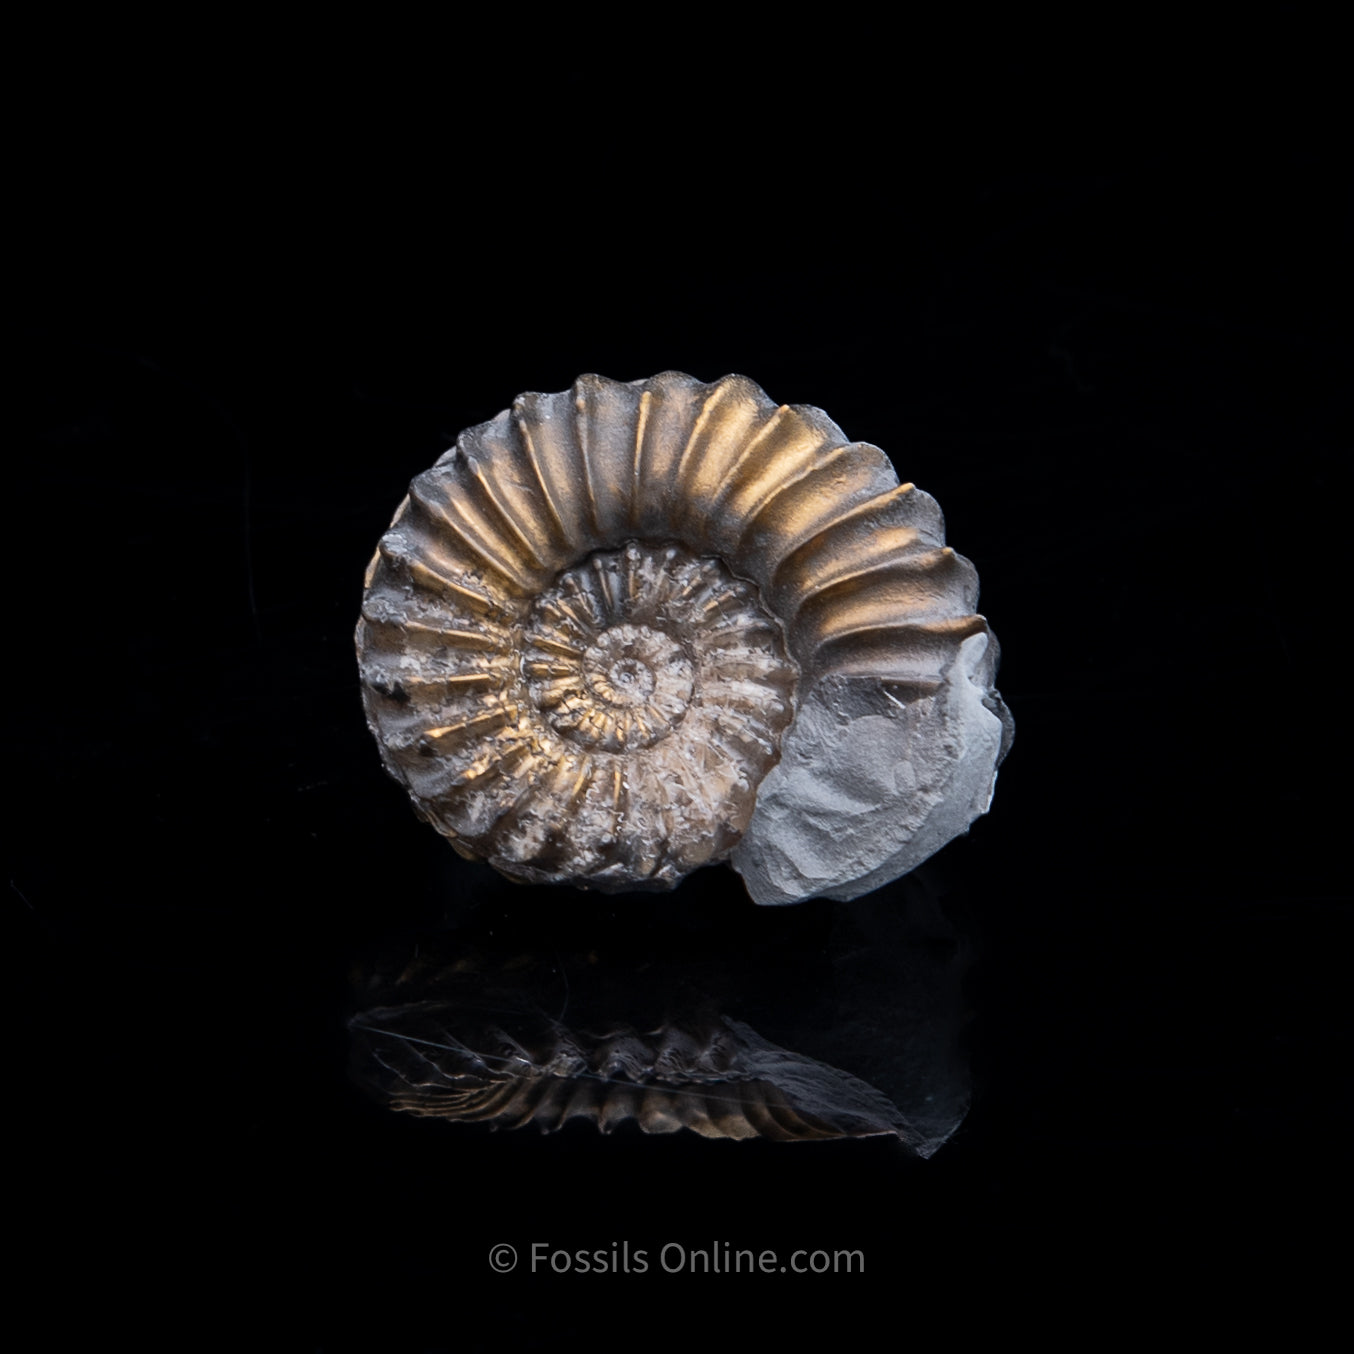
column 1124, row 378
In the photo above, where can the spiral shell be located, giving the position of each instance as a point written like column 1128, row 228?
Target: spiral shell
column 626, row 630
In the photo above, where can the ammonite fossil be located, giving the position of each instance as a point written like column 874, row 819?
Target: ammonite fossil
column 627, row 630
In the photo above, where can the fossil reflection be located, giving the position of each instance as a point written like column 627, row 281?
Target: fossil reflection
column 845, row 1026
column 716, row 1076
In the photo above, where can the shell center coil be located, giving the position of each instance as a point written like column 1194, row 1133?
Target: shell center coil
column 613, row 653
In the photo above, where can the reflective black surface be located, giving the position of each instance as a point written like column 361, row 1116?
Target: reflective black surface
column 1125, row 386
column 831, row 1021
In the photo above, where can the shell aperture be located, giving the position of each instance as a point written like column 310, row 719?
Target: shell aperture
column 627, row 630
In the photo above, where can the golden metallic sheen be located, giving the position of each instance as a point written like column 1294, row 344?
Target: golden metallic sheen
column 591, row 623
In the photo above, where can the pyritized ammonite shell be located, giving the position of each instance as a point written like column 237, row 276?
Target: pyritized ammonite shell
column 629, row 629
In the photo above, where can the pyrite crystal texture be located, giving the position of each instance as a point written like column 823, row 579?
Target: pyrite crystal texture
column 627, row 630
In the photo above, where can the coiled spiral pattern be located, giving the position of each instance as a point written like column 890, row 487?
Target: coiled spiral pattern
column 587, row 633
